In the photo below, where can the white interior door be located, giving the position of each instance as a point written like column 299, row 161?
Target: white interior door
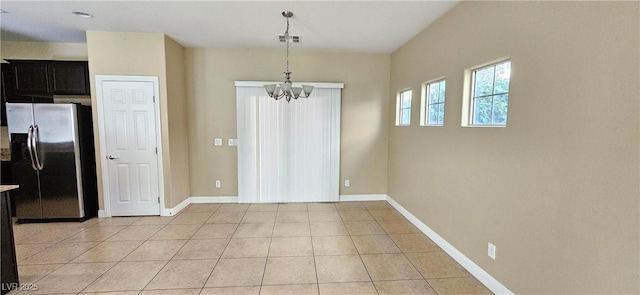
column 130, row 153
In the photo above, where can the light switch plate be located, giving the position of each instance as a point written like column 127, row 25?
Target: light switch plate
column 217, row 141
column 233, row 142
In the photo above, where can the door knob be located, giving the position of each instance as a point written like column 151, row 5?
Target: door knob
column 110, row 157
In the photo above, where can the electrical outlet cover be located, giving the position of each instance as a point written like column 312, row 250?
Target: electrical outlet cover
column 492, row 251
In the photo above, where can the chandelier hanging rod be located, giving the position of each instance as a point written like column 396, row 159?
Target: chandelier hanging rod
column 286, row 89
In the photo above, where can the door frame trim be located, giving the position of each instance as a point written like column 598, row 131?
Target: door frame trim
column 101, row 130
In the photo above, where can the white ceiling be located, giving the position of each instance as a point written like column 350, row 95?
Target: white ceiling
column 353, row 26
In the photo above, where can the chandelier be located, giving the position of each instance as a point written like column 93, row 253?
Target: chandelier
column 286, row 89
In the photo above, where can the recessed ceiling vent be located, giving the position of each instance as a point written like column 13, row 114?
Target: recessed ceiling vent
column 294, row 39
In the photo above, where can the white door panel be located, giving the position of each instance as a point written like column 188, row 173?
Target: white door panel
column 130, row 141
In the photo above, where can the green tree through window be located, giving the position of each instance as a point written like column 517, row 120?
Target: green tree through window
column 490, row 94
column 404, row 108
column 435, row 92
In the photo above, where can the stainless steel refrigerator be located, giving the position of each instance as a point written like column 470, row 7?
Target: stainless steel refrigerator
column 53, row 161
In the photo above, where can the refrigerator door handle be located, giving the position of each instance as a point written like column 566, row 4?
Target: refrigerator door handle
column 30, row 147
column 34, row 137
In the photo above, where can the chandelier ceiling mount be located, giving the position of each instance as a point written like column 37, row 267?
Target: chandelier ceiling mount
column 286, row 89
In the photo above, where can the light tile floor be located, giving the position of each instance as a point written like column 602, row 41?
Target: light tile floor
column 297, row 248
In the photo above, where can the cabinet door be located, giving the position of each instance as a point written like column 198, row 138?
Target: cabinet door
column 68, row 77
column 30, row 77
column 9, row 93
column 3, row 96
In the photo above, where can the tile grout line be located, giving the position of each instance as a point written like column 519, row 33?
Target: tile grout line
column 264, row 271
column 352, row 242
column 54, row 244
column 187, row 241
column 69, row 262
column 174, row 255
column 406, row 257
column 220, row 257
column 271, row 238
column 360, row 256
column 313, row 252
column 97, row 278
column 122, row 259
column 143, row 241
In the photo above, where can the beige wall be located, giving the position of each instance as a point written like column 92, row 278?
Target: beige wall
column 557, row 189
column 177, row 123
column 141, row 54
column 211, row 74
column 43, row 50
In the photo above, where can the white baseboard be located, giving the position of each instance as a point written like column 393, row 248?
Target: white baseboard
column 234, row 199
column 475, row 270
column 197, row 200
column 210, row 199
column 102, row 214
column 366, row 197
column 173, row 211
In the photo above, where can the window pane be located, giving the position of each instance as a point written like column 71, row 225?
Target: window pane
column 404, row 111
column 503, row 73
column 405, row 117
column 441, row 114
column 406, row 101
column 500, row 103
column 482, row 110
column 435, row 102
column 433, row 114
column 442, row 90
column 484, row 82
column 433, row 93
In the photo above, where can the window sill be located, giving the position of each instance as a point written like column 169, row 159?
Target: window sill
column 485, row 126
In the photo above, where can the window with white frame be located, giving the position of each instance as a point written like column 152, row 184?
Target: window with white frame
column 490, row 95
column 433, row 96
column 403, row 108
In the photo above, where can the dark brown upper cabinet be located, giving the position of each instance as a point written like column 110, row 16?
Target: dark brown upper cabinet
column 39, row 80
column 30, row 77
column 68, row 77
column 8, row 92
column 42, row 77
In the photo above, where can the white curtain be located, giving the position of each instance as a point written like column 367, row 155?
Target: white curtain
column 288, row 152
